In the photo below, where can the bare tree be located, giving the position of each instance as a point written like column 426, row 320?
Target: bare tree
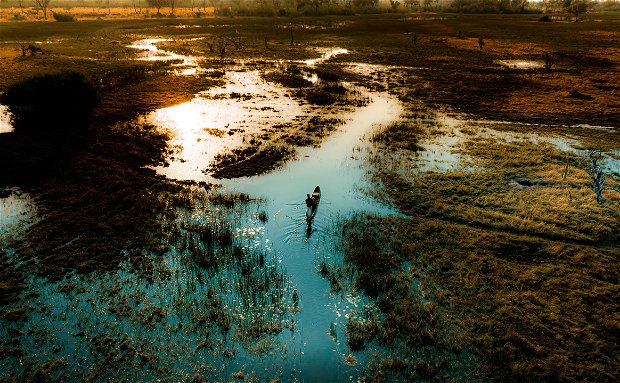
column 157, row 4
column 577, row 7
column 223, row 44
column 593, row 165
column 550, row 60
column 43, row 5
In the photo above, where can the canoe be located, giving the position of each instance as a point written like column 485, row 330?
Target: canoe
column 311, row 210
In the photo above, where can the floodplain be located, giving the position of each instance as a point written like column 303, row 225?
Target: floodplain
column 458, row 238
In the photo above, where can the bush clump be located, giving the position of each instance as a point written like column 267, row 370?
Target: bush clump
column 63, row 17
column 52, row 103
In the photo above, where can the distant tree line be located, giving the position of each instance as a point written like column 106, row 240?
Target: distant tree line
column 504, row 6
column 319, row 7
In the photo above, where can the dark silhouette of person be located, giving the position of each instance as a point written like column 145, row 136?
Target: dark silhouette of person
column 309, row 201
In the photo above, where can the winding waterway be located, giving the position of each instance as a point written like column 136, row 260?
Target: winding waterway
column 336, row 165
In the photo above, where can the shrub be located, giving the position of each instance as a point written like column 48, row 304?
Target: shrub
column 545, row 18
column 53, row 103
column 63, row 17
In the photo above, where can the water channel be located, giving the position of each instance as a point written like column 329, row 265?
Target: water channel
column 336, row 166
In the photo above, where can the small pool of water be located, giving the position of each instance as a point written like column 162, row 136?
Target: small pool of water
column 16, row 211
column 326, row 54
column 187, row 65
column 521, row 64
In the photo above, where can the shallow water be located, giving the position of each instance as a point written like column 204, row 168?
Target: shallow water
column 71, row 321
column 337, row 167
column 206, row 126
column 16, row 211
column 187, row 65
column 521, row 64
column 201, row 129
column 611, row 162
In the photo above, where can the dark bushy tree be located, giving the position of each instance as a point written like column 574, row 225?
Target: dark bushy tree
column 51, row 103
column 157, row 4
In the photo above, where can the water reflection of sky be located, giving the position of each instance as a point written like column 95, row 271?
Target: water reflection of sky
column 521, row 64
column 16, row 210
column 210, row 124
column 150, row 52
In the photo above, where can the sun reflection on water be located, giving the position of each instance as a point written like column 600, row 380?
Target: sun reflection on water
column 326, row 55
column 209, row 124
column 152, row 53
column 521, row 64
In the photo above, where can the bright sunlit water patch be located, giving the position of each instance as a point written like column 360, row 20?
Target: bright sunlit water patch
column 521, row 64
column 5, row 120
column 326, row 54
column 16, row 211
column 150, row 52
column 209, row 124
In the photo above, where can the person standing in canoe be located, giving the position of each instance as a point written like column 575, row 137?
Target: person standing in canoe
column 309, row 201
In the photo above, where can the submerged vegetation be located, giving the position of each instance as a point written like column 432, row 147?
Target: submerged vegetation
column 412, row 318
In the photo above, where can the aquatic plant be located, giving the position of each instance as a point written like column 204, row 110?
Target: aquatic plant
column 289, row 76
column 252, row 160
column 411, row 318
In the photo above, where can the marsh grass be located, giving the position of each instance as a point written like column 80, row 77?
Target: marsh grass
column 100, row 205
column 203, row 286
column 250, row 160
column 290, row 76
column 531, row 271
column 12, row 280
column 412, row 319
column 516, row 247
column 330, row 73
